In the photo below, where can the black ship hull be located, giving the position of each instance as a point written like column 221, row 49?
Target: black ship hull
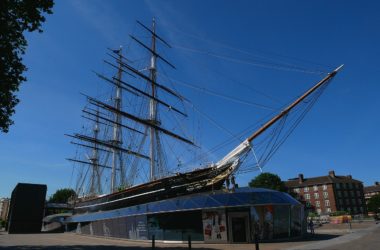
column 196, row 181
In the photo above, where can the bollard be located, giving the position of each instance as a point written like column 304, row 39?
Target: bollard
column 189, row 241
column 153, row 242
column 257, row 242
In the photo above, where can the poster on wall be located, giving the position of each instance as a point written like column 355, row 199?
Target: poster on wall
column 141, row 227
column 137, row 228
column 214, row 226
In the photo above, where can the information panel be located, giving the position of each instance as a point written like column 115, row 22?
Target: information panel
column 214, row 226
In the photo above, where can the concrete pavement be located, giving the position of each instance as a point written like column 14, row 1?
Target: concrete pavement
column 364, row 239
column 79, row 242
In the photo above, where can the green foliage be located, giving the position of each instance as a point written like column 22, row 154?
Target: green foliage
column 312, row 215
column 16, row 17
column 338, row 213
column 268, row 180
column 374, row 204
column 62, row 195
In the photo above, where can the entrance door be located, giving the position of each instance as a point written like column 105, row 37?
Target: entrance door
column 239, row 233
column 238, row 226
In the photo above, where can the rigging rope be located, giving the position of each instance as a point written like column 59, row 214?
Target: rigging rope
column 214, row 93
column 275, row 141
column 257, row 63
column 201, row 38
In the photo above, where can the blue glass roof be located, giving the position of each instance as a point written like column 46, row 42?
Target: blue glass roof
column 218, row 199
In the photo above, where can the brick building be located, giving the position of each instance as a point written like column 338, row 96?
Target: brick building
column 4, row 206
column 330, row 193
column 371, row 191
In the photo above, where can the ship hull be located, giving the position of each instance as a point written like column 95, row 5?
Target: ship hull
column 196, row 181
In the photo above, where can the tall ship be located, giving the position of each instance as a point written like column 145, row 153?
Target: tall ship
column 129, row 132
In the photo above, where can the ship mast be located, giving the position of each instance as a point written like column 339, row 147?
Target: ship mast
column 95, row 176
column 153, row 129
column 153, row 106
column 116, row 141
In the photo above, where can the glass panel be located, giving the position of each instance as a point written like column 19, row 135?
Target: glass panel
column 296, row 223
column 106, row 228
column 255, row 224
column 154, row 228
column 264, row 221
column 281, row 221
column 122, row 227
column 114, row 228
column 98, row 228
column 176, row 226
column 130, row 228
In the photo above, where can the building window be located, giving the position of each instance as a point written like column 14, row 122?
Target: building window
column 316, row 195
column 328, row 210
column 353, row 202
column 319, row 211
column 325, row 194
column 361, row 209
column 339, row 193
column 350, row 185
column 347, row 201
column 345, row 193
column 317, row 203
column 352, row 193
column 358, row 193
column 355, row 209
column 297, row 190
column 359, row 201
column 327, row 203
column 306, row 189
column 315, row 188
column 341, row 202
column 324, row 187
column 307, row 196
column 337, row 186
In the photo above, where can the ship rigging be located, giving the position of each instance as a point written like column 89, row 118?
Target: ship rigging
column 122, row 141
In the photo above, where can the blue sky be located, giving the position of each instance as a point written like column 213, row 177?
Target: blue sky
column 340, row 133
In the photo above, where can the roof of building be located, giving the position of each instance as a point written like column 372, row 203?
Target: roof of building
column 208, row 200
column 372, row 189
column 300, row 181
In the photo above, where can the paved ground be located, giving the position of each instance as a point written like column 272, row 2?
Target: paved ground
column 370, row 241
column 363, row 237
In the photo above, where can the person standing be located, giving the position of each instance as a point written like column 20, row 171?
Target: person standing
column 311, row 226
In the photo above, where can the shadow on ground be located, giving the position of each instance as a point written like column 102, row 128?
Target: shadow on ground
column 103, row 247
column 308, row 237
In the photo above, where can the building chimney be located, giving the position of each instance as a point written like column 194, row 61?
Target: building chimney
column 349, row 176
column 332, row 174
column 377, row 183
column 300, row 178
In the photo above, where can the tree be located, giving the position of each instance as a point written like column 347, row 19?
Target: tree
column 2, row 223
column 16, row 16
column 62, row 195
column 374, row 204
column 268, row 180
